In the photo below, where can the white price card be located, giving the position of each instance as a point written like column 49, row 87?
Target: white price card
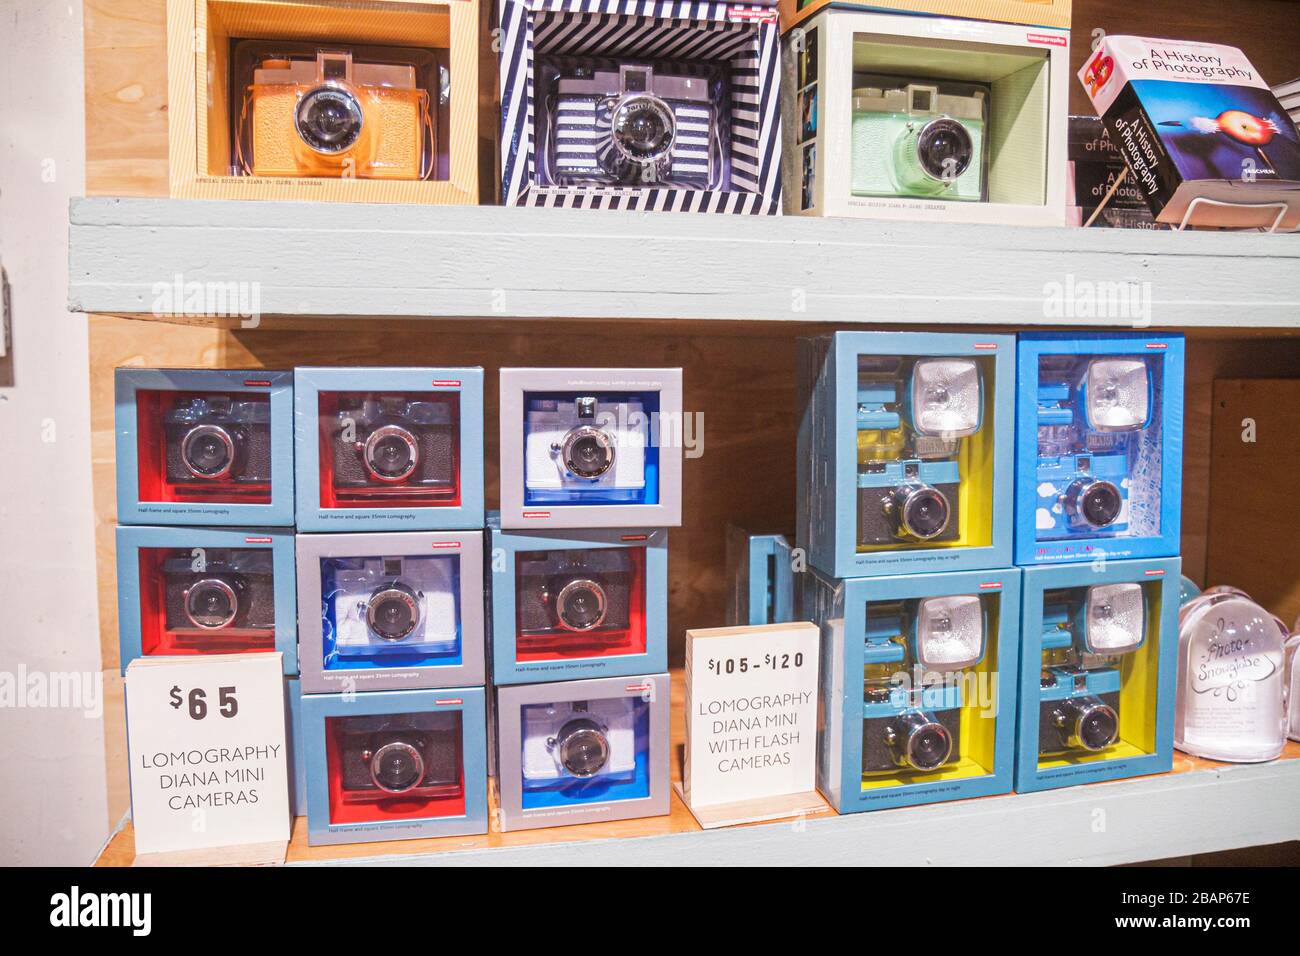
column 209, row 762
column 751, row 713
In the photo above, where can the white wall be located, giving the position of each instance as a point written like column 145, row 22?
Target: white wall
column 53, row 804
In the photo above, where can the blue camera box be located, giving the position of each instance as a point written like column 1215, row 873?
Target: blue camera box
column 905, row 452
column 1098, row 669
column 577, row 604
column 187, row 591
column 1099, row 446
column 918, row 695
column 395, row 765
column 392, row 610
column 297, row 761
column 204, row 447
column 761, row 570
column 389, row 449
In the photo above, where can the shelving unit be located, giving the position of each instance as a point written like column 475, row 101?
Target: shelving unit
column 302, row 259
column 1200, row 807
column 723, row 297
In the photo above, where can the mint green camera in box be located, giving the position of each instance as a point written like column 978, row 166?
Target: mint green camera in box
column 894, row 116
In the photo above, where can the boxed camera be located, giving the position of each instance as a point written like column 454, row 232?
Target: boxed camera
column 761, row 570
column 905, row 451
column 1099, row 446
column 389, row 449
column 187, row 591
column 592, row 448
column 1042, row 13
column 582, row 751
column 918, row 691
column 655, row 108
column 1205, row 139
column 333, row 100
column 582, row 603
column 398, row 610
column 1097, row 669
column 906, row 117
column 395, row 765
column 204, row 446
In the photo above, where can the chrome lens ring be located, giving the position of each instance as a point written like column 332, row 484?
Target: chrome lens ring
column 383, row 596
column 1107, row 719
column 571, row 590
column 329, row 119
column 588, row 451
column 400, row 749
column 373, row 445
column 210, row 584
column 1094, row 502
column 582, row 747
column 224, row 439
column 643, row 128
column 911, row 506
column 940, row 141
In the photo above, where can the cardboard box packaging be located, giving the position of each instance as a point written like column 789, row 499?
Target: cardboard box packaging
column 206, row 116
column 870, row 100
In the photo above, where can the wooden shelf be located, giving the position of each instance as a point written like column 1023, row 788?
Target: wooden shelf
column 1199, row 807
column 484, row 261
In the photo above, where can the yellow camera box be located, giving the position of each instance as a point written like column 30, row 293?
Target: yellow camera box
column 409, row 134
column 1042, row 13
column 893, row 116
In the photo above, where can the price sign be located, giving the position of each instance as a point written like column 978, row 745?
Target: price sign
column 751, row 712
column 209, row 763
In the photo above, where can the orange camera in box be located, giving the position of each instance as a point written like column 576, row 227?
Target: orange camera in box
column 333, row 116
column 327, row 100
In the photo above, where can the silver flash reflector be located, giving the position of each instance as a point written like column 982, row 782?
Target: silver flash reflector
column 1114, row 618
column 947, row 397
column 1118, row 395
column 950, row 632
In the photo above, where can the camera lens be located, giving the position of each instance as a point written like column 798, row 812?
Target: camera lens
column 919, row 512
column 391, row 453
column 1094, row 502
column 1089, row 724
column 583, row 747
column 211, row 604
column 920, row 743
column 643, row 128
column 580, row 605
column 392, row 612
column 944, row 149
column 396, row 767
column 208, row 451
column 588, row 452
column 329, row 119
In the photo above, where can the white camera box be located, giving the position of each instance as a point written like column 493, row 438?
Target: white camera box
column 892, row 78
column 591, row 447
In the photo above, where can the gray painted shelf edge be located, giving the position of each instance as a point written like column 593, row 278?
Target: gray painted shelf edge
column 130, row 256
column 1126, row 821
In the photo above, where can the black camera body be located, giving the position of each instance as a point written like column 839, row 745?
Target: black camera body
column 235, row 590
column 900, row 495
column 574, row 591
column 218, row 438
column 386, row 755
column 395, row 442
column 1079, row 723
column 885, row 738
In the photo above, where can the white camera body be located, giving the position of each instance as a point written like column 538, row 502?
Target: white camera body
column 435, row 631
column 543, row 724
column 625, row 425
